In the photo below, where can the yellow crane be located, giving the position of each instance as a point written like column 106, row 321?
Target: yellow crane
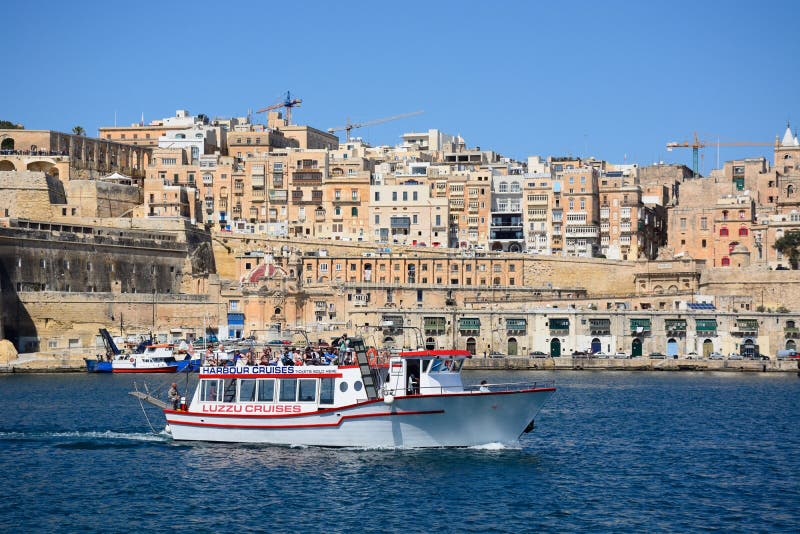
column 351, row 126
column 697, row 144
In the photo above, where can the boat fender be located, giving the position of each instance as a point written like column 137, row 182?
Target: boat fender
column 388, row 399
column 132, row 359
column 372, row 356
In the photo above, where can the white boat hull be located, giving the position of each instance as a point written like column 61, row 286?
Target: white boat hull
column 450, row 420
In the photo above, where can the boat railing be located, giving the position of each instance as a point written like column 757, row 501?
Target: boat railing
column 484, row 388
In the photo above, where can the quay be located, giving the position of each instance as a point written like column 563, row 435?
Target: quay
column 64, row 362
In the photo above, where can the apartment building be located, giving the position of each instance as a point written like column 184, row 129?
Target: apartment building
column 406, row 213
column 507, row 231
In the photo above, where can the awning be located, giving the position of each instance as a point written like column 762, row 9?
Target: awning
column 433, row 323
column 705, row 325
column 747, row 324
column 516, row 324
column 469, row 324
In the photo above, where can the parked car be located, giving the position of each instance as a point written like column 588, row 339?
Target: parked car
column 495, row 354
column 537, row 354
column 692, row 356
column 735, row 356
column 601, row 354
column 657, row 356
column 620, row 355
column 786, row 354
column 715, row 356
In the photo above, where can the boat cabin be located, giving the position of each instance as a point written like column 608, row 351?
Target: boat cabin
column 425, row 372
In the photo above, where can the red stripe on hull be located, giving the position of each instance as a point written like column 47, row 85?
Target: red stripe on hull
column 310, row 425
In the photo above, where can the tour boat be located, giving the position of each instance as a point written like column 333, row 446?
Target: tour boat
column 416, row 399
column 155, row 359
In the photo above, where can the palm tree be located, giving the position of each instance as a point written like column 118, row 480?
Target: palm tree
column 78, row 130
column 787, row 245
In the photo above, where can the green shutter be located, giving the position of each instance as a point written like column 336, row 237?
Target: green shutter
column 516, row 324
column 471, row 324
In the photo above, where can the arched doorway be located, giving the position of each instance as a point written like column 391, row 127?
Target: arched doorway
column 555, row 347
column 749, row 348
column 471, row 345
column 672, row 348
column 708, row 348
column 636, row 347
column 7, row 144
column 388, row 342
column 596, row 346
column 514, row 247
column 497, row 247
column 6, row 165
column 430, row 344
column 512, row 346
column 791, row 345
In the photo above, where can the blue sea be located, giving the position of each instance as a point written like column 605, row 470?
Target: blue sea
column 611, row 452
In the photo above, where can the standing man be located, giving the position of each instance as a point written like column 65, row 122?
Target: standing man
column 174, row 395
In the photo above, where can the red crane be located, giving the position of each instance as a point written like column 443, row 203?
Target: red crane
column 287, row 103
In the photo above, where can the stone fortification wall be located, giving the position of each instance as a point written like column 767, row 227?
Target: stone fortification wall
column 771, row 289
column 94, row 198
column 30, row 194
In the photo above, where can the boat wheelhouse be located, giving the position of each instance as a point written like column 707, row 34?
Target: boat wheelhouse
column 415, row 399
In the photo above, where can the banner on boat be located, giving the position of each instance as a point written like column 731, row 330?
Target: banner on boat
column 268, row 370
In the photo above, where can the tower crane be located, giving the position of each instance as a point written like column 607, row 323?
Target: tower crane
column 350, row 126
column 287, row 103
column 697, row 144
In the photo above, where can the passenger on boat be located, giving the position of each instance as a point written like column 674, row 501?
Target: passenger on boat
column 288, row 358
column 250, row 359
column 174, row 395
column 484, row 387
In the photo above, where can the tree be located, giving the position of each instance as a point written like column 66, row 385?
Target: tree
column 787, row 245
column 8, row 125
column 78, row 130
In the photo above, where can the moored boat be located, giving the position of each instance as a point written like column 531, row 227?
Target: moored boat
column 417, row 399
column 155, row 359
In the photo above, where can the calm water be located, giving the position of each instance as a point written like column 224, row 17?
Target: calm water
column 611, row 452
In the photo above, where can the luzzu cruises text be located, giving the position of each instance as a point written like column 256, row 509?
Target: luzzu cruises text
column 415, row 399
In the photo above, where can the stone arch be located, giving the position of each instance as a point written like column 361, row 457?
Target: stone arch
column 7, row 143
column 555, row 347
column 6, row 165
column 430, row 344
column 636, row 347
column 497, row 247
column 708, row 347
column 514, row 247
column 672, row 289
column 791, row 345
column 42, row 166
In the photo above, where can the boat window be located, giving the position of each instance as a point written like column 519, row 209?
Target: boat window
column 210, row 391
column 425, row 365
column 457, row 365
column 266, row 390
column 307, row 390
column 326, row 391
column 358, row 385
column 343, row 386
column 247, row 390
column 436, row 365
column 229, row 393
column 288, row 392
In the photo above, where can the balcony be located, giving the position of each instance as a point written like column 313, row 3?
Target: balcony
column 306, row 178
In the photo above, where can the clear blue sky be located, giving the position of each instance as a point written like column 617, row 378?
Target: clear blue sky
column 606, row 79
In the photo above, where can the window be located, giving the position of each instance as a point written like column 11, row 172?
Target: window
column 743, row 232
column 723, row 231
column 394, row 196
column 683, row 223
column 211, row 390
column 288, row 391
column 377, row 219
column 704, row 223
column 354, row 211
column 326, row 391
column 377, row 196
column 726, row 261
column 247, row 390
column 266, row 390
column 307, row 390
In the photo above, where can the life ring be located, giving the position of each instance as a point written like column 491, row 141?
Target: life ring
column 372, row 354
column 132, row 359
